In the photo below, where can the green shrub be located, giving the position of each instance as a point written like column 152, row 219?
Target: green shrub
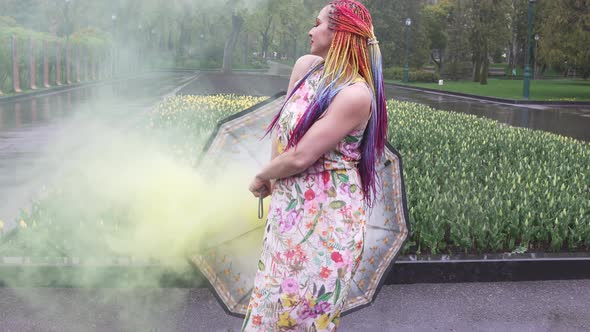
column 457, row 70
column 476, row 185
column 422, row 76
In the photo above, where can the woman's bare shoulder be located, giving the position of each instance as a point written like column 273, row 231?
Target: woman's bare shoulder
column 304, row 64
column 354, row 101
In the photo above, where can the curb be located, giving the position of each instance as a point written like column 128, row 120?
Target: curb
column 51, row 90
column 127, row 272
column 490, row 268
column 493, row 99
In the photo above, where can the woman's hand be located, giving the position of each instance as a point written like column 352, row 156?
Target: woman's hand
column 260, row 188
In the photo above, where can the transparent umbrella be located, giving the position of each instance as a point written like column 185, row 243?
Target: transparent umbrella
column 229, row 259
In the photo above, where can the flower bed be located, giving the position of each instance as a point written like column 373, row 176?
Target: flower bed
column 473, row 185
column 476, row 185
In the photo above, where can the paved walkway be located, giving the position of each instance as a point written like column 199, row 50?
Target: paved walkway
column 525, row 306
column 279, row 69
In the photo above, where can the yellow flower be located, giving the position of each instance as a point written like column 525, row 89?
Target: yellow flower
column 285, row 320
column 290, row 300
column 323, row 322
column 23, row 224
column 311, row 300
column 280, row 147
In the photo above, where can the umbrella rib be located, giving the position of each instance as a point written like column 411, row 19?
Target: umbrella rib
column 380, row 227
column 233, row 238
column 362, row 292
column 248, row 294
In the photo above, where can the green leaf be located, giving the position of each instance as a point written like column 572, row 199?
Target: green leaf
column 343, row 178
column 247, row 319
column 337, row 205
column 353, row 188
column 325, row 297
column 337, row 291
column 261, row 266
column 351, row 139
column 315, row 223
column 298, row 188
column 292, row 205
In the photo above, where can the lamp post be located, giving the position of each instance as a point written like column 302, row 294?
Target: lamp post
column 537, row 37
column 527, row 61
column 406, row 66
column 113, row 47
column 67, row 50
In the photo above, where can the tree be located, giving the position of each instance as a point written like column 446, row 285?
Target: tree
column 518, row 32
column 228, row 52
column 389, row 18
column 565, row 35
column 435, row 17
column 457, row 26
column 489, row 23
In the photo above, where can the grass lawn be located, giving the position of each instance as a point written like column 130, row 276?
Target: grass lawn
column 570, row 90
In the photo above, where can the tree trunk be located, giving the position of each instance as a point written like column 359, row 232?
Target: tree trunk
column 437, row 63
column 486, row 64
column 477, row 65
column 246, row 49
column 230, row 44
column 266, row 37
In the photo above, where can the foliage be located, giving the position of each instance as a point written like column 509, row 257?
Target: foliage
column 89, row 39
column 564, row 32
column 475, row 185
column 456, row 62
column 189, row 120
column 453, row 34
column 389, row 20
column 490, row 31
column 396, row 73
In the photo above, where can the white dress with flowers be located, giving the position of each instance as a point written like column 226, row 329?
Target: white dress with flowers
column 314, row 235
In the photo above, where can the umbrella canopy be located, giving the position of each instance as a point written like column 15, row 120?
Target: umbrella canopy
column 229, row 260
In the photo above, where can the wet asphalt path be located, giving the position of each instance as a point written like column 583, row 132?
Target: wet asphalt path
column 518, row 307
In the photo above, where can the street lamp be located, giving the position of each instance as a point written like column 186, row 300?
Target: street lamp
column 527, row 61
column 406, row 66
column 537, row 37
column 67, row 50
column 113, row 47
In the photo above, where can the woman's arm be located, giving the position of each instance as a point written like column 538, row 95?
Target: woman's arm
column 349, row 110
column 301, row 67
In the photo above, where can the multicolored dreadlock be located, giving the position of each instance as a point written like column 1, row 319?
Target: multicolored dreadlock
column 354, row 52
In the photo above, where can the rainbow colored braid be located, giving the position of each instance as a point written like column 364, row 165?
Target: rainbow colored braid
column 354, row 52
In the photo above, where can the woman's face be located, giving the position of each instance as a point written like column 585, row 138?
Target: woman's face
column 321, row 35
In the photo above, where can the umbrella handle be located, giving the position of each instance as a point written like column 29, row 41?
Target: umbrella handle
column 260, row 208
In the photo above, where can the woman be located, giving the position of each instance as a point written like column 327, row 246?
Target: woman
column 326, row 139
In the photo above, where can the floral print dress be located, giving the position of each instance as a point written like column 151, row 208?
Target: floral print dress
column 314, row 235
